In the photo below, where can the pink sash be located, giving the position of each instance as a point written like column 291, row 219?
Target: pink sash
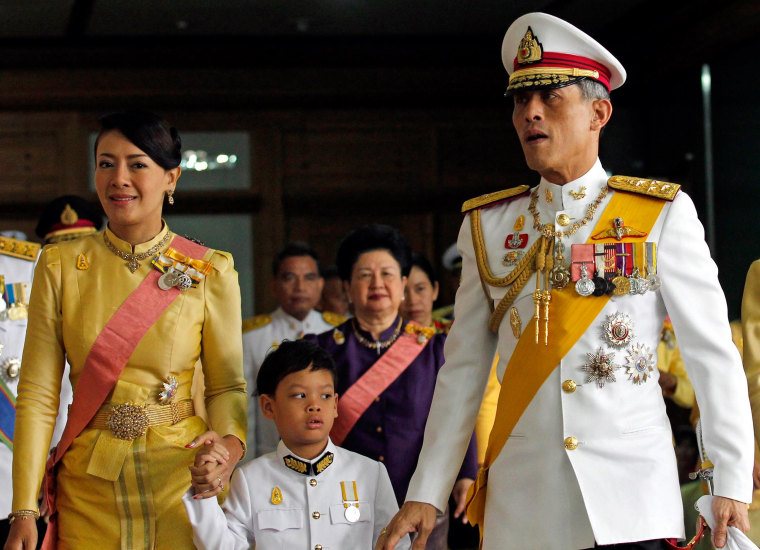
column 105, row 362
column 362, row 393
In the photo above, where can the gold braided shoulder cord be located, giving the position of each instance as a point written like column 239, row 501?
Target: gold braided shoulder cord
column 482, row 258
column 501, row 309
column 518, row 277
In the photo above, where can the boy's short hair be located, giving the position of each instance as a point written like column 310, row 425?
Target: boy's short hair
column 289, row 357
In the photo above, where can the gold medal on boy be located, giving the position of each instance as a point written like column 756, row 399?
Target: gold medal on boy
column 276, row 496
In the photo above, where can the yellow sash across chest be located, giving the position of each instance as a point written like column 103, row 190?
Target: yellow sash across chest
column 531, row 363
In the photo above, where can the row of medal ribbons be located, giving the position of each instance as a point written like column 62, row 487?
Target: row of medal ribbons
column 614, row 268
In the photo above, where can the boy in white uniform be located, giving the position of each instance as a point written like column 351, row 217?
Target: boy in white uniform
column 308, row 494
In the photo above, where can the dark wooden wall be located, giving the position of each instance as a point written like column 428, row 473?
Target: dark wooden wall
column 346, row 132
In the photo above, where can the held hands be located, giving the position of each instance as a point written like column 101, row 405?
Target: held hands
column 214, row 463
column 414, row 517
column 728, row 512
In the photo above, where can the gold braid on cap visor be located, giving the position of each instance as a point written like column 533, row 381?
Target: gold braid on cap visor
column 553, row 75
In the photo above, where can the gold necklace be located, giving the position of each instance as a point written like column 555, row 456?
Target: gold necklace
column 134, row 259
column 379, row 344
column 548, row 229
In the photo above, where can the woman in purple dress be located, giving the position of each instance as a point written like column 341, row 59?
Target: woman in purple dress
column 387, row 367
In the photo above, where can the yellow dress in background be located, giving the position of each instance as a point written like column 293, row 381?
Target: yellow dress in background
column 112, row 493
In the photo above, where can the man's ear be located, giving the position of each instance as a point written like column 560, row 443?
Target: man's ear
column 602, row 111
column 266, row 402
column 336, row 405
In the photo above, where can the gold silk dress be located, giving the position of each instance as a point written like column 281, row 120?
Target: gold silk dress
column 113, row 493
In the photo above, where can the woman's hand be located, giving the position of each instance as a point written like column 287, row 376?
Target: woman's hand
column 214, row 463
column 22, row 535
column 460, row 497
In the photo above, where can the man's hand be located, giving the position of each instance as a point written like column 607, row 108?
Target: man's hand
column 460, row 497
column 756, row 476
column 728, row 512
column 414, row 517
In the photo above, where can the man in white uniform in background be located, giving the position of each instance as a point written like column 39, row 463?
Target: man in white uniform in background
column 570, row 282
column 297, row 286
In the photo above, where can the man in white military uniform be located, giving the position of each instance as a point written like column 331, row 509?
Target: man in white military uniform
column 17, row 260
column 59, row 221
column 297, row 286
column 579, row 273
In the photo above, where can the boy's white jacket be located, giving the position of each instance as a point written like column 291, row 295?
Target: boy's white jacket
column 311, row 511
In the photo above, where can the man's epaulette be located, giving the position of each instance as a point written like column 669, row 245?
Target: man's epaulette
column 19, row 249
column 256, row 322
column 491, row 198
column 650, row 188
column 333, row 319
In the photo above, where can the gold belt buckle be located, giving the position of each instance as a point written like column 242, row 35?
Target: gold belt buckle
column 128, row 421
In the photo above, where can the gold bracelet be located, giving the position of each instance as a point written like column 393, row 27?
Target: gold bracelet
column 22, row 514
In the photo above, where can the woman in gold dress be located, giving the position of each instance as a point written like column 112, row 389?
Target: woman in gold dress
column 119, row 483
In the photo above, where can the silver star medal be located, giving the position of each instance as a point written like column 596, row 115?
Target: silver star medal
column 600, row 367
column 10, row 369
column 639, row 364
column 617, row 330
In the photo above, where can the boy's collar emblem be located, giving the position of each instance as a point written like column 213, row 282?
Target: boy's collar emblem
column 307, row 468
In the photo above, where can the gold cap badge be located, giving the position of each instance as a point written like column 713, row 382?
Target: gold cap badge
column 69, row 215
column 530, row 49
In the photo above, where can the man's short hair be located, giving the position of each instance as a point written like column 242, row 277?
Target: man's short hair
column 289, row 357
column 293, row 250
column 592, row 90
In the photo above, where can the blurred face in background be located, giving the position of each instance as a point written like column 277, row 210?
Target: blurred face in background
column 334, row 297
column 420, row 295
column 298, row 285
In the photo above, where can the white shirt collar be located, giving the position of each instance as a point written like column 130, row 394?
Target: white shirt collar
column 572, row 195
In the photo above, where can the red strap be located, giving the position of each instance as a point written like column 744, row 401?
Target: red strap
column 673, row 543
column 109, row 355
column 362, row 393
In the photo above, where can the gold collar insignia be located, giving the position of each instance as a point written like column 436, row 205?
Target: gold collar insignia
column 307, row 468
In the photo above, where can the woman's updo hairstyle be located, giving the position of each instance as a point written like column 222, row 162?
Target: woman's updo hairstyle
column 148, row 132
column 420, row 261
column 368, row 238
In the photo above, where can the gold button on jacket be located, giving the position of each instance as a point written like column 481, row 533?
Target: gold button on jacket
column 571, row 443
column 569, row 386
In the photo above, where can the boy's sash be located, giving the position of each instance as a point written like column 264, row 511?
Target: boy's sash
column 531, row 363
column 362, row 393
column 105, row 362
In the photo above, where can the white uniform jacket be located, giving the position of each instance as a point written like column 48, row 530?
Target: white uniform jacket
column 262, row 436
column 278, row 508
column 620, row 483
column 12, row 335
